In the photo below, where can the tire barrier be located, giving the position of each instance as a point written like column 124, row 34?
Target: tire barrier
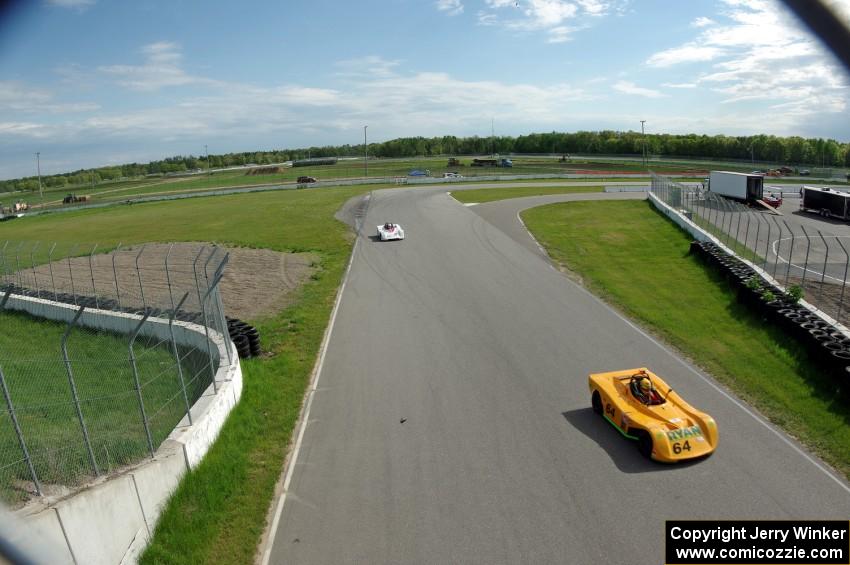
column 825, row 344
column 245, row 337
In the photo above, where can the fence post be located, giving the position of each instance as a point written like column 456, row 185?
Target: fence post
column 176, row 353
column 844, row 281
column 778, row 247
column 790, row 253
column 806, row 260
column 823, row 273
column 219, row 306
column 136, row 380
column 74, row 388
column 32, row 267
column 767, row 246
column 206, row 265
column 20, row 434
column 168, row 277
column 3, row 254
column 115, row 275
column 139, row 275
column 741, row 210
column 71, row 272
column 50, row 265
column 747, row 231
column 216, row 280
column 728, row 231
column 195, row 272
column 18, row 265
column 91, row 270
column 756, row 243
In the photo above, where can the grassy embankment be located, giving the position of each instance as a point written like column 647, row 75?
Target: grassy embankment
column 481, row 195
column 638, row 261
column 218, row 512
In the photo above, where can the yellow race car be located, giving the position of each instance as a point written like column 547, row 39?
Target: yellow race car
column 644, row 408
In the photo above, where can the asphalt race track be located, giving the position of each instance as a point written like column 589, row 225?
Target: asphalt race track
column 452, row 422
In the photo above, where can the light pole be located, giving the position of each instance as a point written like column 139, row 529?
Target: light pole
column 365, row 154
column 643, row 142
column 207, row 152
column 38, row 168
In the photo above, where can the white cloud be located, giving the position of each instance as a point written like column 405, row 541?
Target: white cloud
column 680, row 85
column 371, row 65
column 559, row 34
column 689, row 53
column 451, row 7
column 20, row 98
column 162, row 68
column 702, row 21
column 758, row 52
column 404, row 103
column 631, row 88
column 551, row 16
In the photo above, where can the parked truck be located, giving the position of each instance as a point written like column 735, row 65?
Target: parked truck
column 738, row 186
column 826, row 202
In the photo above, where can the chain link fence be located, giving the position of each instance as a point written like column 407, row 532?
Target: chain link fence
column 816, row 260
column 98, row 382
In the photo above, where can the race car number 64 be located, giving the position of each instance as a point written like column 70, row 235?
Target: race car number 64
column 679, row 447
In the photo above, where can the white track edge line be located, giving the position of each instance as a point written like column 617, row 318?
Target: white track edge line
column 735, row 401
column 305, row 416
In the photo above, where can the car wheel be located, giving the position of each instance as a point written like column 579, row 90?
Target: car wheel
column 596, row 402
column 644, row 443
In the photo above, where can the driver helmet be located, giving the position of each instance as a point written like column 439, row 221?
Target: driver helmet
column 645, row 386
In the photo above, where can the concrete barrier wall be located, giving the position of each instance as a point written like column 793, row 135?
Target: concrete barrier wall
column 110, row 521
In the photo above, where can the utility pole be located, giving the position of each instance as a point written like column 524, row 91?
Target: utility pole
column 492, row 136
column 207, row 152
column 365, row 154
column 643, row 142
column 38, row 168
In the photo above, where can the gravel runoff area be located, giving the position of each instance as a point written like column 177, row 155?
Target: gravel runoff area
column 256, row 282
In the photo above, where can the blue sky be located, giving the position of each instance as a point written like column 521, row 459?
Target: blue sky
column 97, row 82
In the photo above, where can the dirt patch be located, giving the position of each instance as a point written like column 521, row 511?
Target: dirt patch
column 256, row 282
column 263, row 171
column 260, row 282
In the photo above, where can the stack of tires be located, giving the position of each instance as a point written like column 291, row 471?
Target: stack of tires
column 824, row 343
column 246, row 338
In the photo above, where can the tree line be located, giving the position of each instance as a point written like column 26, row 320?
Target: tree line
column 813, row 152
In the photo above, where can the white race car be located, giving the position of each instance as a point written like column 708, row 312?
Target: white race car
column 390, row 231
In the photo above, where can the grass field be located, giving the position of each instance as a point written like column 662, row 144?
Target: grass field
column 481, row 195
column 344, row 169
column 39, row 388
column 637, row 260
column 212, row 517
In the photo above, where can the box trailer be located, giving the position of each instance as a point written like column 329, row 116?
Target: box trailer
column 828, row 203
column 738, row 186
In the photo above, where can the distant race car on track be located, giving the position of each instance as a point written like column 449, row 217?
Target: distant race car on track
column 390, row 231
column 644, row 408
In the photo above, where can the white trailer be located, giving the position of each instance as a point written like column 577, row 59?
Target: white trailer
column 738, row 186
column 828, row 203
